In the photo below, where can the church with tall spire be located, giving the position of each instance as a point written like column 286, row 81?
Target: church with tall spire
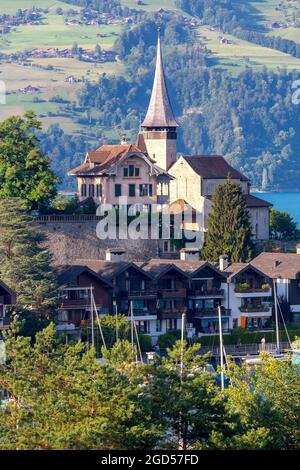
column 158, row 134
column 151, row 172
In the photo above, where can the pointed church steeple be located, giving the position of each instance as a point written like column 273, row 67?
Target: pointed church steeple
column 158, row 132
column 160, row 114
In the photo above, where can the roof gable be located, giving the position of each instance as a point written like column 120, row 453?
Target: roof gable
column 69, row 274
column 212, row 167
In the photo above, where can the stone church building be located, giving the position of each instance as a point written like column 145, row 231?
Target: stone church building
column 150, row 172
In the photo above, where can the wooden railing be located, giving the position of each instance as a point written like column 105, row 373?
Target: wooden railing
column 244, row 349
column 67, row 218
column 206, row 292
column 211, row 312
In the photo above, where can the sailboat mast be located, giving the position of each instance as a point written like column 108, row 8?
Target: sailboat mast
column 221, row 347
column 276, row 317
column 92, row 318
column 182, row 344
column 132, row 328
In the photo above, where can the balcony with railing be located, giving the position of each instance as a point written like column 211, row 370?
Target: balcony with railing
column 165, row 313
column 258, row 290
column 141, row 294
column 144, row 314
column 73, row 303
column 211, row 312
column 180, row 292
column 259, row 308
column 213, row 292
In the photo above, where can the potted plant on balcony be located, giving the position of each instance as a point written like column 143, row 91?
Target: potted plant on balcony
column 265, row 286
column 241, row 287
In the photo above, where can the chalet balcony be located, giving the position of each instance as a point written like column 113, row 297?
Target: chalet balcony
column 73, row 304
column 172, row 293
column 165, row 313
column 263, row 308
column 144, row 314
column 211, row 312
column 206, row 293
column 142, row 294
column 244, row 290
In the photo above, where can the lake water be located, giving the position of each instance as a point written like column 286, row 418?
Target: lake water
column 284, row 202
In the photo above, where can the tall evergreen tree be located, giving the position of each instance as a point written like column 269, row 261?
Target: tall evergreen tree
column 229, row 227
column 24, row 171
column 25, row 265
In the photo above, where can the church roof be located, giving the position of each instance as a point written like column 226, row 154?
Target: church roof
column 213, row 167
column 160, row 113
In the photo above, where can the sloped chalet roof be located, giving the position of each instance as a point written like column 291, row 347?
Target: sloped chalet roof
column 110, row 269
column 236, row 269
column 159, row 267
column 278, row 265
column 213, row 167
column 105, row 160
column 68, row 274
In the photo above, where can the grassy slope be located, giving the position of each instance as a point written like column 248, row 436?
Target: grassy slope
column 238, row 54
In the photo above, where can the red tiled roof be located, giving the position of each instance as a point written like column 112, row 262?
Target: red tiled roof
column 213, row 166
column 105, row 158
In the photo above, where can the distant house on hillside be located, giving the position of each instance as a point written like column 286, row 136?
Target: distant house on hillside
column 72, row 79
column 273, row 25
column 29, row 90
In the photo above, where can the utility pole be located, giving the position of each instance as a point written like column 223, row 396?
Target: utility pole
column 221, row 347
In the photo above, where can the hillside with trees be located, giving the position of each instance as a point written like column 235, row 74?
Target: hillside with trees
column 226, row 103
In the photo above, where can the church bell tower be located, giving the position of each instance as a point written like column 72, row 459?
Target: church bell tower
column 159, row 128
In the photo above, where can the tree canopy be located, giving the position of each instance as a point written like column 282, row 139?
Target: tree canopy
column 282, row 226
column 24, row 171
column 25, row 263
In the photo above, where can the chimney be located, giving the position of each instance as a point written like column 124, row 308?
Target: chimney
column 298, row 249
column 115, row 254
column 276, row 263
column 124, row 140
column 223, row 262
column 189, row 254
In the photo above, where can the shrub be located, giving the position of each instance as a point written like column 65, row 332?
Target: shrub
column 168, row 340
column 145, row 343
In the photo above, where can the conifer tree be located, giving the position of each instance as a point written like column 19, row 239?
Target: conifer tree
column 229, row 227
column 25, row 265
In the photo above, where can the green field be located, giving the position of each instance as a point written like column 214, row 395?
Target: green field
column 55, row 33
column 239, row 54
column 151, row 5
column 11, row 6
